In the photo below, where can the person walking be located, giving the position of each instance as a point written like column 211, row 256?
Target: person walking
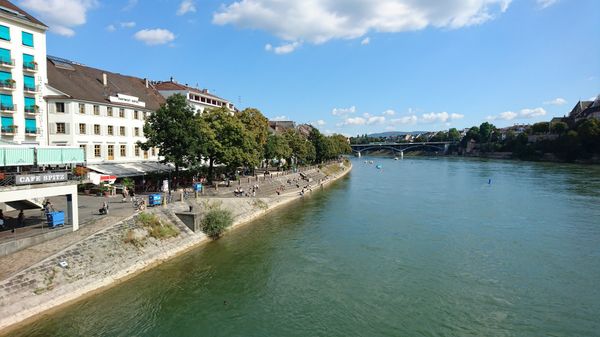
column 125, row 193
column 21, row 219
column 2, row 220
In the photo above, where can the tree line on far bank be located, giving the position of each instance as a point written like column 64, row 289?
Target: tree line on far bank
column 220, row 137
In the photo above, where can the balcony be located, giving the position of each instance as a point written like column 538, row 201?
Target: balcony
column 32, row 109
column 9, row 130
column 8, row 85
column 5, row 63
column 8, row 108
column 30, row 67
column 32, row 132
column 31, row 90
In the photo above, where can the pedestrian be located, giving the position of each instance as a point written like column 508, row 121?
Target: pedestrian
column 21, row 219
column 2, row 226
column 132, row 195
column 125, row 193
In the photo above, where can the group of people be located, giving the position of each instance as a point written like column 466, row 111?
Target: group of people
column 239, row 191
column 4, row 221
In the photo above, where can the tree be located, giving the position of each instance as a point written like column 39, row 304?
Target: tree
column 303, row 151
column 319, row 142
column 472, row 134
column 453, row 135
column 341, row 145
column 541, row 127
column 277, row 147
column 171, row 129
column 485, row 132
column 225, row 140
column 257, row 125
column 559, row 128
column 589, row 133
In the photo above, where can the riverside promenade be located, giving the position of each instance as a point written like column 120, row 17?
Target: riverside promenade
column 104, row 257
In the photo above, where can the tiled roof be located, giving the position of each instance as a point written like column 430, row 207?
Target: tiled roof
column 9, row 5
column 85, row 83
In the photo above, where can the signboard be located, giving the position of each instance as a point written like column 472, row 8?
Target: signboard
column 120, row 98
column 108, row 179
column 41, row 178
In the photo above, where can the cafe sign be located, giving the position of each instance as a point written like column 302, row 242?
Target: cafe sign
column 41, row 178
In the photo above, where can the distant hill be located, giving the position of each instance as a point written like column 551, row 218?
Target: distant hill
column 396, row 133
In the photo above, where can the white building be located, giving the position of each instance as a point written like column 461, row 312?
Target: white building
column 199, row 99
column 22, row 76
column 103, row 113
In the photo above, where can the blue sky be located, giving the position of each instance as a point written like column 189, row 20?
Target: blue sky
column 349, row 66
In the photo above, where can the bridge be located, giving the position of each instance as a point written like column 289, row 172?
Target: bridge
column 400, row 148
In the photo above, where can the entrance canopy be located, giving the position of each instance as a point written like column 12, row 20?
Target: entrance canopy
column 123, row 170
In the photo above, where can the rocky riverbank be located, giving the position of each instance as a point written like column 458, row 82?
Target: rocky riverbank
column 127, row 248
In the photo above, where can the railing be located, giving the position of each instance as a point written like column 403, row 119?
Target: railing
column 30, row 66
column 32, row 131
column 9, row 129
column 27, row 88
column 8, row 107
column 7, row 63
column 8, row 84
column 32, row 109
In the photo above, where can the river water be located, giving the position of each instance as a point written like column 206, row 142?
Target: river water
column 422, row 247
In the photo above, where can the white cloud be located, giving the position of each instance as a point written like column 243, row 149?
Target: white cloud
column 283, row 49
column 280, row 118
column 130, row 5
column 365, row 41
column 111, row 28
column 376, row 120
column 522, row 114
column 320, row 122
column 354, row 121
column 556, row 101
column 186, row 6
column 412, row 119
column 440, row 117
column 546, row 3
column 343, row 111
column 389, row 112
column 128, row 24
column 60, row 15
column 318, row 21
column 153, row 37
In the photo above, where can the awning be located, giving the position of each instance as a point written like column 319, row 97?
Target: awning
column 130, row 169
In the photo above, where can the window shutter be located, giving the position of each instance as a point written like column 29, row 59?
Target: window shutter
column 67, row 128
column 53, row 128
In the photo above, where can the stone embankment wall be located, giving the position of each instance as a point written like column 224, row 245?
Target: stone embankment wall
column 121, row 250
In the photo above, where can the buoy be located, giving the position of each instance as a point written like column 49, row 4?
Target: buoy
column 379, row 166
column 489, row 181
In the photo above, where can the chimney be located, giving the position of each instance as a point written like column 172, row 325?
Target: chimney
column 171, row 78
column 146, row 82
column 104, row 79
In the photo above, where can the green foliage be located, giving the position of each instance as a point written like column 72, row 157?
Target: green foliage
column 257, row 203
column 128, row 182
column 453, row 135
column 303, row 151
column 171, row 129
column 485, row 132
column 155, row 227
column 559, row 128
column 277, row 147
column 540, row 128
column 216, row 221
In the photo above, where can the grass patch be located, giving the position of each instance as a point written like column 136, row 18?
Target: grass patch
column 155, row 227
column 332, row 169
column 216, row 221
column 257, row 203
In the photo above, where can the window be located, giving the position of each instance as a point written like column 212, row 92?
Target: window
column 30, row 106
column 30, row 126
column 82, row 129
column 153, row 151
column 137, row 151
column 84, row 147
column 121, row 131
column 81, row 108
column 145, row 154
column 5, row 57
column 60, row 107
column 136, row 132
column 29, row 83
column 145, row 114
column 111, row 152
column 122, row 113
column 29, row 62
column 6, row 80
column 96, row 129
column 27, row 39
column 136, row 114
column 6, row 103
column 109, row 130
column 61, row 128
column 109, row 112
column 96, row 110
column 4, row 33
column 123, row 150
column 97, row 151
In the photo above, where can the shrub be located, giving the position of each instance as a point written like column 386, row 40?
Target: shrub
column 155, row 227
column 216, row 221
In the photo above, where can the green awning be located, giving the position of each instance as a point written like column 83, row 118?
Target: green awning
column 2, row 157
column 18, row 156
column 73, row 156
column 49, row 156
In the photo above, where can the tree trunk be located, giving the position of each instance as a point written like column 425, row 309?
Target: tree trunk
column 210, row 170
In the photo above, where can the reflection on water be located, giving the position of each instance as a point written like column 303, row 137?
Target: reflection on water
column 433, row 246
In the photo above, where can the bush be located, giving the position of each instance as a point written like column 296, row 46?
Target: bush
column 155, row 227
column 216, row 221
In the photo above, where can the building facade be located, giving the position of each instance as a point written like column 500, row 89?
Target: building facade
column 199, row 99
column 99, row 111
column 22, row 76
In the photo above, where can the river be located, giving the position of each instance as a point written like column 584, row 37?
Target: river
column 422, row 247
